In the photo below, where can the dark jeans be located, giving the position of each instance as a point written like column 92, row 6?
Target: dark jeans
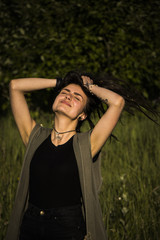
column 65, row 223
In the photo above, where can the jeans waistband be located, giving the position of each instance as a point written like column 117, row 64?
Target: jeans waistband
column 53, row 212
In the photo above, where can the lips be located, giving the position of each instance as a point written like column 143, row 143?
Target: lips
column 65, row 102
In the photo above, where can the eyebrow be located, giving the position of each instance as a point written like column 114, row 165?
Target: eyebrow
column 75, row 93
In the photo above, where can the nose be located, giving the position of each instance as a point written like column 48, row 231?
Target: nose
column 68, row 96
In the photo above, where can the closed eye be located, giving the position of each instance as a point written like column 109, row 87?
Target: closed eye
column 63, row 92
column 77, row 98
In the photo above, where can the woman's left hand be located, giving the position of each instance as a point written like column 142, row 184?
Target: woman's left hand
column 87, row 81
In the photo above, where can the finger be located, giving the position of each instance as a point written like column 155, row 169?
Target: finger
column 86, row 79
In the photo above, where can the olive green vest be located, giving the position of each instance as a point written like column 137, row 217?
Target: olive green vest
column 90, row 179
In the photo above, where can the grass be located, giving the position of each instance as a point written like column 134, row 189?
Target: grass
column 130, row 194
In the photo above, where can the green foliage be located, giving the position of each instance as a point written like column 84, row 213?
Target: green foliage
column 49, row 38
column 130, row 194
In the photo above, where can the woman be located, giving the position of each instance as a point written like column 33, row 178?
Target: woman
column 57, row 196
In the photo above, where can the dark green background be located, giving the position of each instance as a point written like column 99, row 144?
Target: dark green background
column 49, row 38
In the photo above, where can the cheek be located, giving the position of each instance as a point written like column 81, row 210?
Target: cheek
column 55, row 102
column 80, row 107
column 53, row 106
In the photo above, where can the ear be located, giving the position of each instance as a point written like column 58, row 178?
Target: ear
column 82, row 116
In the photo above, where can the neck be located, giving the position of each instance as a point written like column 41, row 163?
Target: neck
column 63, row 124
column 63, row 130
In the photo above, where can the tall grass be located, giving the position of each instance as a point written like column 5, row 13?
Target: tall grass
column 11, row 152
column 130, row 195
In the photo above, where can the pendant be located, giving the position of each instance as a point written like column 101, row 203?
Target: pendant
column 58, row 137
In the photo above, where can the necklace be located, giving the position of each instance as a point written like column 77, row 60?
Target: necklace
column 58, row 133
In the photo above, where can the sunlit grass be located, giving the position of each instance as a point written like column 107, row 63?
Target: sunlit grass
column 130, row 195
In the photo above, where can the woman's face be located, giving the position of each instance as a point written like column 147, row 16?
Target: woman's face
column 71, row 102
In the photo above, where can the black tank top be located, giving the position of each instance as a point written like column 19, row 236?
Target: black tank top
column 54, row 178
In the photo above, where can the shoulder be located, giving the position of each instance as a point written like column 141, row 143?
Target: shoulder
column 39, row 130
column 83, row 134
column 81, row 143
column 83, row 137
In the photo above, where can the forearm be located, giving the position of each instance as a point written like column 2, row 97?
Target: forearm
column 31, row 84
column 109, row 97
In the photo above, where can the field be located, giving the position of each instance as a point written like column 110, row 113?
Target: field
column 130, row 194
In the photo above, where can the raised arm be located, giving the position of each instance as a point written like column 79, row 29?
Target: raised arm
column 18, row 88
column 108, row 121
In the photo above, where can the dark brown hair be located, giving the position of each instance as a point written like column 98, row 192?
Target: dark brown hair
column 133, row 99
